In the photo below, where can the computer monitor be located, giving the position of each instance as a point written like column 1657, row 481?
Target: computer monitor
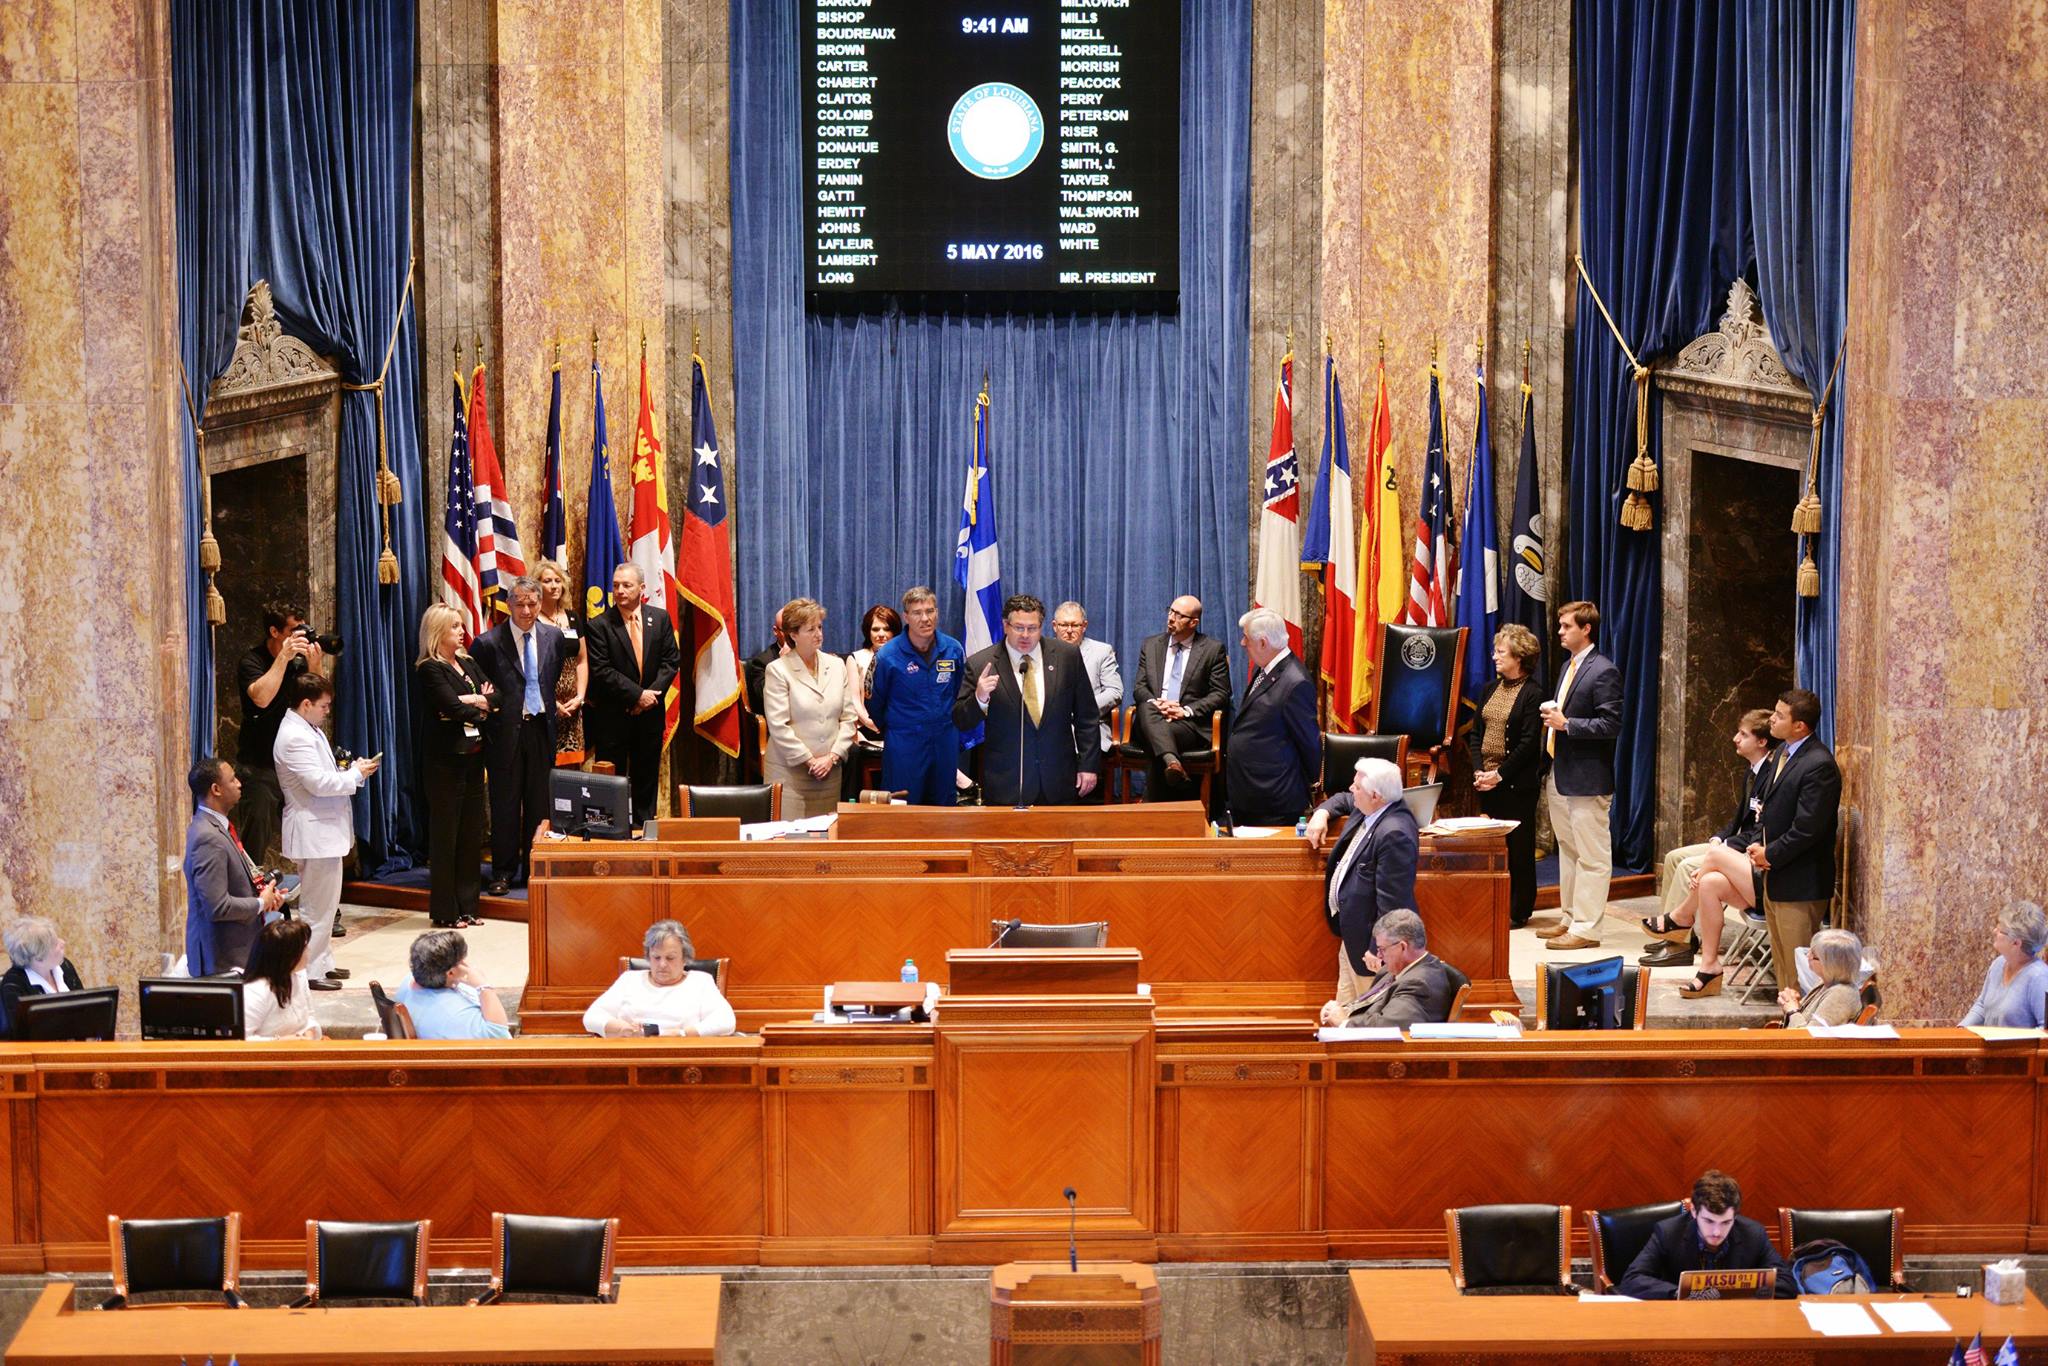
column 67, row 1015
column 1588, row 995
column 598, row 806
column 190, row 1008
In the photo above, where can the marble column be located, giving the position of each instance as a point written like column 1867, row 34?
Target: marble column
column 93, row 729
column 1944, row 703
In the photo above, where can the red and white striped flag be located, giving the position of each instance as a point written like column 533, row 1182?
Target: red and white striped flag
column 1436, row 553
column 1278, row 583
column 499, row 558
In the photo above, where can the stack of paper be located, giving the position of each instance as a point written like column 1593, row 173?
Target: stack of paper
column 1852, row 1031
column 1838, row 1320
column 1911, row 1316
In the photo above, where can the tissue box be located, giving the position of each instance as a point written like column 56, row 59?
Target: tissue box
column 2004, row 1284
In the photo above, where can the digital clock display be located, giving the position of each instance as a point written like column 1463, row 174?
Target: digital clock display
column 954, row 149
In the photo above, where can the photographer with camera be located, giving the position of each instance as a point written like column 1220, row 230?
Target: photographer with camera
column 289, row 647
column 224, row 905
column 319, row 819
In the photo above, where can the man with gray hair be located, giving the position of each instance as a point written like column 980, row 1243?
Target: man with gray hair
column 1414, row 987
column 1371, row 870
column 634, row 658
column 1275, row 746
column 522, row 657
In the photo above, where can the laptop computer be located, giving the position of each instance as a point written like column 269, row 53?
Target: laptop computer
column 1422, row 801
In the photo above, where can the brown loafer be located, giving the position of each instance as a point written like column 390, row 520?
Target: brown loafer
column 1568, row 942
column 1553, row 931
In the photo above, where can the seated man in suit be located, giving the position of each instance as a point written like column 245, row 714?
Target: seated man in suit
column 1713, row 1237
column 1183, row 680
column 1414, row 987
column 1032, row 693
column 224, row 911
column 1371, row 870
column 1275, row 748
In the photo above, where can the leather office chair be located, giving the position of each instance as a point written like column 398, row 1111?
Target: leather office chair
column 1405, row 701
column 176, row 1256
column 1128, row 755
column 1635, row 994
column 1526, row 1248
column 1463, row 988
column 394, row 1019
column 1876, row 1234
column 350, row 1261
column 538, row 1254
column 717, row 967
column 1087, row 934
column 751, row 802
column 1618, row 1237
column 1341, row 753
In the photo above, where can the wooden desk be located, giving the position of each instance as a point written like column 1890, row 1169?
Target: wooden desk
column 1230, row 925
column 1148, row 820
column 1399, row 1317
column 657, row 1319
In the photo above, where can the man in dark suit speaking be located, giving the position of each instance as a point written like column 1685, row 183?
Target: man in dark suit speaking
column 1275, row 747
column 1183, row 680
column 1371, row 871
column 522, row 657
column 633, row 660
column 1043, row 741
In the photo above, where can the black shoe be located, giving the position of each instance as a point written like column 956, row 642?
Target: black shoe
column 338, row 974
column 324, row 984
column 1679, row 957
column 497, row 886
column 340, row 930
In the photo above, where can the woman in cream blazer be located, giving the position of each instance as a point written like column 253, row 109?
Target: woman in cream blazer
column 809, row 702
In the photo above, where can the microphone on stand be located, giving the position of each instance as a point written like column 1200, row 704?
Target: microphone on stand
column 1023, row 672
column 1073, row 1249
column 1012, row 923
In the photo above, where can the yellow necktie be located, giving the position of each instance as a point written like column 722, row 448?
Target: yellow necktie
column 1549, row 735
column 1030, row 687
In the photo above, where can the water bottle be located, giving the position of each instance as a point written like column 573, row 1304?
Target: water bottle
column 1301, row 827
column 909, row 970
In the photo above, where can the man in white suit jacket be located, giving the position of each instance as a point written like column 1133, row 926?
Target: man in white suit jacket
column 319, row 821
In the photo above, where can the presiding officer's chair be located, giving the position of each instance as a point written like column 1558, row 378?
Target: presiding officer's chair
column 1418, row 677
column 1511, row 1249
column 538, row 1254
column 717, row 967
column 1341, row 753
column 1618, row 1237
column 1087, row 934
column 1877, row 1235
column 349, row 1261
column 751, row 802
column 175, row 1256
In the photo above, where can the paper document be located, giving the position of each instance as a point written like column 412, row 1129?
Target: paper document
column 775, row 830
column 1852, row 1031
column 2000, row 1033
column 1839, row 1320
column 1358, row 1034
column 1260, row 832
column 1456, row 823
column 1911, row 1316
column 1461, row 1030
column 1588, row 1297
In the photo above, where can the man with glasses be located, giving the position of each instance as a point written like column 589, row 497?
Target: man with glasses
column 1183, row 680
column 1105, row 678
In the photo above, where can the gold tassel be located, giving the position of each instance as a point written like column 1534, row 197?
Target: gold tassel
column 1635, row 513
column 387, row 568
column 216, row 607
column 1642, row 471
column 209, row 554
column 389, row 491
column 1642, row 474
column 1806, row 515
column 1809, row 576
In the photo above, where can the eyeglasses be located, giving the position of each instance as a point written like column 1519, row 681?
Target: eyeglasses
column 1183, row 616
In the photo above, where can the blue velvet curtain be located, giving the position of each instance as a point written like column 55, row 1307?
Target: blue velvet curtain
column 1118, row 441
column 1799, row 60
column 1664, row 226
column 293, row 129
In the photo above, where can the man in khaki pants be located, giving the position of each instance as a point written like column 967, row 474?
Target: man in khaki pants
column 1581, row 724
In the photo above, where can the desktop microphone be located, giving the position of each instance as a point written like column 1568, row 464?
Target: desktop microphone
column 1073, row 1250
column 1012, row 923
column 1024, row 672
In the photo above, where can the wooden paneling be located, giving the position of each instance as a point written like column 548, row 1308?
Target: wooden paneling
column 1150, row 820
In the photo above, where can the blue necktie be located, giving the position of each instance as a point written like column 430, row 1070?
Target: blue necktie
column 1173, row 673
column 531, row 704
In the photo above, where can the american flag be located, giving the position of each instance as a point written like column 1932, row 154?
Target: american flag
column 1973, row 1355
column 1278, row 583
column 1436, row 552
column 499, row 560
column 458, row 531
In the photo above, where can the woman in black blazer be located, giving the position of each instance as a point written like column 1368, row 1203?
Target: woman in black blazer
column 457, row 698
column 37, row 963
column 1507, row 758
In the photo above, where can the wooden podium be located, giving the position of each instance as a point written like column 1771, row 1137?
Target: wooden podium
column 1104, row 1314
column 1045, row 1075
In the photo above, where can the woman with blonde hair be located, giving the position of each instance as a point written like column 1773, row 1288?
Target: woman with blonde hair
column 570, row 689
column 457, row 698
column 808, row 698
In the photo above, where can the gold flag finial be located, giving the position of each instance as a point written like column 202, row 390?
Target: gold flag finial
column 696, row 340
column 1383, row 347
column 593, row 346
column 1327, row 348
column 643, row 343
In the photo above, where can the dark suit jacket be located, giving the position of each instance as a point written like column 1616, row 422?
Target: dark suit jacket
column 1584, row 763
column 1067, row 739
column 1801, row 805
column 615, row 684
column 1204, row 679
column 1521, row 772
column 15, row 984
column 1275, row 749
column 497, row 653
column 1381, row 879
column 442, row 687
column 1742, row 827
column 223, row 914
column 1675, row 1246
column 1421, row 995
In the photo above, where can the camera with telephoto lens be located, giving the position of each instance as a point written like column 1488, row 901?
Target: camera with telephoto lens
column 274, row 877
column 329, row 644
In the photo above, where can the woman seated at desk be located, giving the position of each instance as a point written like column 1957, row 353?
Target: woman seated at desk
column 1837, row 955
column 446, row 996
column 39, row 967
column 277, row 1003
column 2015, row 983
column 667, row 995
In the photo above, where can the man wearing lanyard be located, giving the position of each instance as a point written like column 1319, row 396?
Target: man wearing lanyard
column 1581, row 723
column 916, row 676
column 223, row 910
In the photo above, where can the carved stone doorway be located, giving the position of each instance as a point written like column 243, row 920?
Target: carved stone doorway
column 1736, row 430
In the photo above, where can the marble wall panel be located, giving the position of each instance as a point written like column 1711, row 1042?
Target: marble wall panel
column 93, row 732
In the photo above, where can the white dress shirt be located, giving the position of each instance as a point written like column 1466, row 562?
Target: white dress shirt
column 691, row 1006
column 1351, row 855
column 263, row 1018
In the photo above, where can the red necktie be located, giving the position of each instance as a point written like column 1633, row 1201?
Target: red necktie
column 236, row 836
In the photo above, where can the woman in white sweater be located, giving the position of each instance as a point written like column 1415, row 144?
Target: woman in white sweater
column 277, row 1003
column 666, row 996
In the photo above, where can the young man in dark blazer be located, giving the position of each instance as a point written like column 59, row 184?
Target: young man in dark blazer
column 1795, row 849
column 633, row 660
column 1275, row 747
column 1183, row 680
column 1052, row 757
column 1710, row 1237
column 1581, row 723
column 1371, row 871
column 523, row 658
